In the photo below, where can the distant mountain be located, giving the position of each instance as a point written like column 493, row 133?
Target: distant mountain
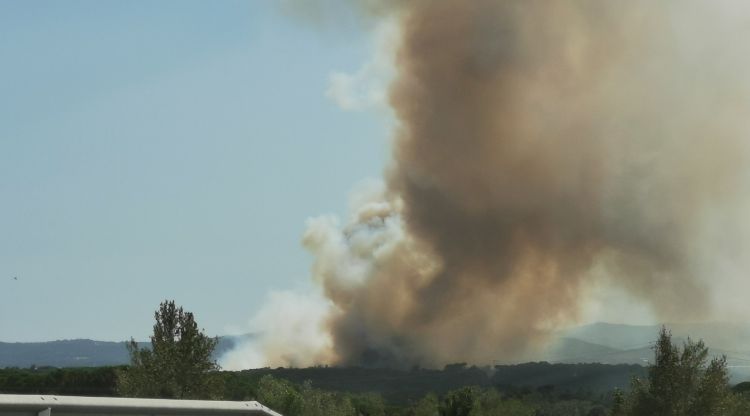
column 574, row 351
column 720, row 335
column 82, row 352
column 65, row 353
column 603, row 343
column 618, row 336
column 631, row 344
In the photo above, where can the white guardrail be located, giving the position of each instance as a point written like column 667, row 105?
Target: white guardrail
column 40, row 405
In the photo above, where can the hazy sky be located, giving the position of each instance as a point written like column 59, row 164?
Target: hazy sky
column 167, row 149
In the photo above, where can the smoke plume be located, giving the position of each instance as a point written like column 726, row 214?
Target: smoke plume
column 537, row 142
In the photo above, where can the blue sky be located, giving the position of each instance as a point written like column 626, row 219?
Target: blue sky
column 166, row 149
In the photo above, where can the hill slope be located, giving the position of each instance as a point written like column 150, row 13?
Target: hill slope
column 80, row 352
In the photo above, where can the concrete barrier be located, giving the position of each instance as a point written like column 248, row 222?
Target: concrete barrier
column 40, row 405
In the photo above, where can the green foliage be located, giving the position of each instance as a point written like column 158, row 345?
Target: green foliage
column 238, row 386
column 179, row 363
column 427, row 406
column 743, row 387
column 97, row 381
column 738, row 404
column 322, row 403
column 681, row 382
column 369, row 404
column 619, row 404
column 283, row 397
column 403, row 387
column 280, row 395
column 473, row 401
column 512, row 407
column 597, row 410
column 461, row 402
column 566, row 408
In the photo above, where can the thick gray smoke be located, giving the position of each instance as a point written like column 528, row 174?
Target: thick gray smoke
column 537, row 142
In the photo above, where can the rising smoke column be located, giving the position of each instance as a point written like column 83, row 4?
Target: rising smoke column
column 537, row 142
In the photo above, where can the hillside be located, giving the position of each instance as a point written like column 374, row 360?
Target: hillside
column 80, row 352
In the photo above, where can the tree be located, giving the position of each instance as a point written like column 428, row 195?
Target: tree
column 681, row 382
column 461, row 402
column 474, row 401
column 178, row 364
column 427, row 406
column 280, row 395
column 325, row 403
column 283, row 397
column 368, row 404
column 619, row 405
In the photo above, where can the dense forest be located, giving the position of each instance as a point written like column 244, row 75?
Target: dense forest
column 538, row 389
column 397, row 386
column 579, row 385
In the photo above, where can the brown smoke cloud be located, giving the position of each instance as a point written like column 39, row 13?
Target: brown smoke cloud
column 538, row 141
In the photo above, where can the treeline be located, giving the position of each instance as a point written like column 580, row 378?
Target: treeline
column 308, row 399
column 395, row 386
column 683, row 381
column 88, row 381
column 305, row 400
column 399, row 386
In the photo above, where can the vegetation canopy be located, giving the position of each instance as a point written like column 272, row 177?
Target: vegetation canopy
column 179, row 363
column 682, row 380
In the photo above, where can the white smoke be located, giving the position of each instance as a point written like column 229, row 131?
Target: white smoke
column 367, row 87
column 289, row 329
